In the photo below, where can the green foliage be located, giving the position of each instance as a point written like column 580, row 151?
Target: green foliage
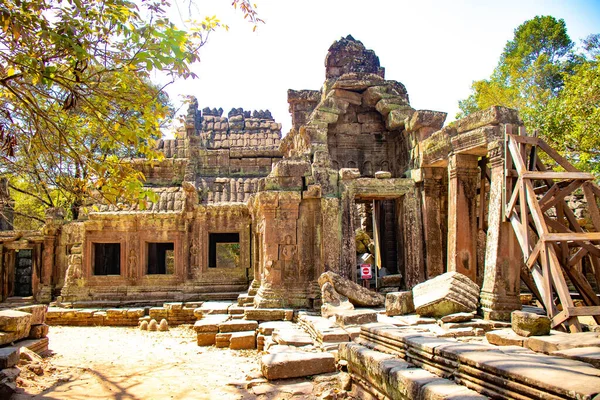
column 572, row 119
column 555, row 89
column 76, row 100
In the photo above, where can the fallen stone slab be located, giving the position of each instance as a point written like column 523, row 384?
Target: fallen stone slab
column 458, row 317
column 355, row 317
column 238, row 326
column 242, row 340
column 267, row 328
column 446, row 294
column 529, row 324
column 9, row 357
column 506, row 337
column 356, row 294
column 563, row 341
column 293, row 365
column 292, row 337
column 399, row 303
column 590, row 355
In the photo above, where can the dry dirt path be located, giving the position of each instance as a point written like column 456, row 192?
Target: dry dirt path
column 126, row 363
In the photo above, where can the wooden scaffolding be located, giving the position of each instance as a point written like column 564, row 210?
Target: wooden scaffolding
column 553, row 241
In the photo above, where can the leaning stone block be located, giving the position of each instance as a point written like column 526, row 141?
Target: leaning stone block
column 9, row 357
column 446, row 294
column 399, row 303
column 529, row 324
column 294, row 365
column 358, row 295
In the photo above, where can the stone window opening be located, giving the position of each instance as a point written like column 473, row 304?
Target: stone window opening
column 107, row 258
column 23, row 273
column 224, row 250
column 161, row 258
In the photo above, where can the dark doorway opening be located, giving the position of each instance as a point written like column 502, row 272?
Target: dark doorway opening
column 107, row 258
column 223, row 250
column 23, row 271
column 161, row 258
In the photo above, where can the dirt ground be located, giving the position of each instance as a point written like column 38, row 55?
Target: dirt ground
column 126, row 363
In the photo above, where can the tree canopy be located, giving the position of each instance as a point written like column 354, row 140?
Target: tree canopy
column 76, row 97
column 553, row 84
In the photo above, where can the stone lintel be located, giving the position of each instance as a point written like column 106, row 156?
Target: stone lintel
column 491, row 116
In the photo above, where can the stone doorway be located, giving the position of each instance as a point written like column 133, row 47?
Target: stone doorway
column 379, row 219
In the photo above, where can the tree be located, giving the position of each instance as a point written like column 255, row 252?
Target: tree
column 76, row 100
column 554, row 88
column 530, row 70
column 572, row 119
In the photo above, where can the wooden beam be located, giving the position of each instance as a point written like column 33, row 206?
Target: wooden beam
column 530, row 140
column 583, row 311
column 563, row 162
column 558, row 175
column 545, row 204
column 572, row 237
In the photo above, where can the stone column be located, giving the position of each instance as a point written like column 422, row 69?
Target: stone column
column 503, row 259
column 463, row 173
column 432, row 221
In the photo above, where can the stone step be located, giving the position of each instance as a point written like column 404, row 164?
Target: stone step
column 505, row 372
column 292, row 337
column 284, row 365
column 375, row 374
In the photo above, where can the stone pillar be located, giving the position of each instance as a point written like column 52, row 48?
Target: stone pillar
column 503, row 259
column 432, row 221
column 463, row 173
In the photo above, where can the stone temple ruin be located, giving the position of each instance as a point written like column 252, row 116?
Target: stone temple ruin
column 361, row 178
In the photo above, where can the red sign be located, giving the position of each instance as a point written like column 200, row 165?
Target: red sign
column 365, row 271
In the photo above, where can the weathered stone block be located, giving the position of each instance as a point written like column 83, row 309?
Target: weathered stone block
column 458, row 317
column 9, row 357
column 293, row 365
column 530, row 324
column 38, row 331
column 206, row 326
column 446, row 294
column 238, row 326
column 355, row 317
column 37, row 311
column 206, row 338
column 267, row 328
column 426, row 119
column 383, row 175
column 265, row 314
column 16, row 323
column 399, row 303
column 385, row 106
column 396, row 118
column 349, row 173
column 292, row 337
column 491, row 116
column 242, row 340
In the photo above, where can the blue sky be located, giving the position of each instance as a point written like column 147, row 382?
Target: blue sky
column 435, row 48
